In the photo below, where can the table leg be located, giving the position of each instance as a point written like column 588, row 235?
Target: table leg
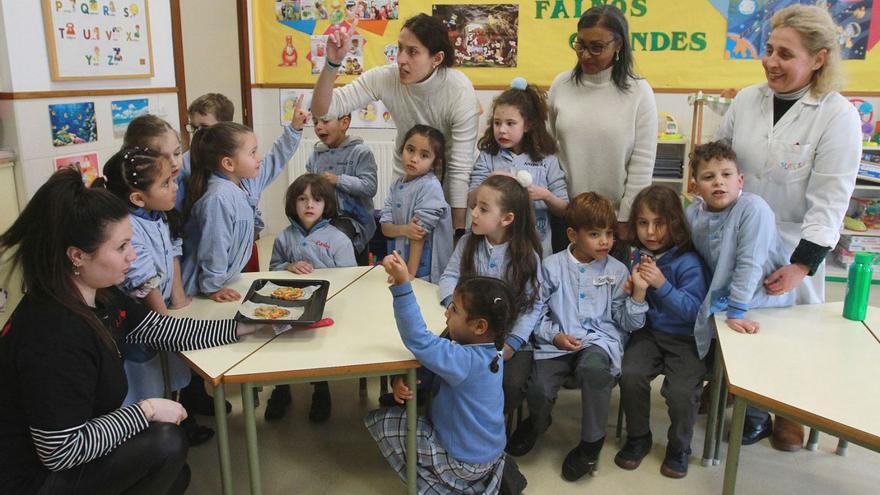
column 250, row 433
column 813, row 439
column 222, row 438
column 719, row 429
column 736, row 434
column 711, row 419
column 842, row 447
column 411, row 416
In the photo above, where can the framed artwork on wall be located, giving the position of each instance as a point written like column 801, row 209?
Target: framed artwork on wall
column 88, row 39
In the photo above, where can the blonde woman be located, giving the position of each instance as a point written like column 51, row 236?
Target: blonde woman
column 799, row 145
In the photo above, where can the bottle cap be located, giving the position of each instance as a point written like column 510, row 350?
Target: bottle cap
column 866, row 258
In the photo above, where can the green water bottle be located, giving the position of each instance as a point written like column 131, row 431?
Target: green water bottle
column 858, row 285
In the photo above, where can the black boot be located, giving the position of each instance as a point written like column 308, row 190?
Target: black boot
column 196, row 434
column 634, row 450
column 278, row 403
column 582, row 460
column 321, row 404
column 512, row 480
column 196, row 401
column 523, row 439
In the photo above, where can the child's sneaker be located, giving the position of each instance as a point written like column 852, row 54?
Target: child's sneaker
column 634, row 450
column 278, row 403
column 675, row 464
column 581, row 460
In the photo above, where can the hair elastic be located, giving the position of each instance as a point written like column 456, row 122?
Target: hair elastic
column 496, row 300
column 519, row 83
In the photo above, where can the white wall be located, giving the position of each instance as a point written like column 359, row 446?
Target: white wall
column 210, row 50
column 5, row 77
column 28, row 58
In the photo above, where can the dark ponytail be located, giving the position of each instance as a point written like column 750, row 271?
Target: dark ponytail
column 62, row 213
column 209, row 146
column 492, row 300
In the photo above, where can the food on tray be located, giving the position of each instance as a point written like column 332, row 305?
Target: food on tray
column 288, row 293
column 270, row 312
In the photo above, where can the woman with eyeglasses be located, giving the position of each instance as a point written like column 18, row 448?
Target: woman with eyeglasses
column 604, row 116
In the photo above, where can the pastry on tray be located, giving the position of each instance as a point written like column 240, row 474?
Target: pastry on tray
column 270, row 312
column 288, row 293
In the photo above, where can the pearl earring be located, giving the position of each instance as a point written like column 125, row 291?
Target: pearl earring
column 617, row 55
column 75, row 270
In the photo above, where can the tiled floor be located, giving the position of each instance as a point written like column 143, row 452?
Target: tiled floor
column 339, row 457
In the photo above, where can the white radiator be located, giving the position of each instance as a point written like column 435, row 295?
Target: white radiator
column 383, row 151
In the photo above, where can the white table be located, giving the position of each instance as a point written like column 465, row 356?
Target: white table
column 363, row 342
column 807, row 363
column 211, row 364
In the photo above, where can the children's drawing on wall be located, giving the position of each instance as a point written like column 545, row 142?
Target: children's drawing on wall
column 352, row 64
column 390, row 51
column 124, row 111
column 73, row 123
column 86, row 163
column 482, row 35
column 287, row 100
column 374, row 115
column 289, row 54
column 748, row 25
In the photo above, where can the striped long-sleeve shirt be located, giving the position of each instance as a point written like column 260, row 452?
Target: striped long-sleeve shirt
column 61, row 385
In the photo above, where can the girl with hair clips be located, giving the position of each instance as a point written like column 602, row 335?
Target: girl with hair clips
column 461, row 446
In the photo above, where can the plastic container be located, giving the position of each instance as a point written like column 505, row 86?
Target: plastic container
column 858, row 287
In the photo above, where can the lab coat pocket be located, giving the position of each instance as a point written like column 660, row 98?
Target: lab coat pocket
column 790, row 163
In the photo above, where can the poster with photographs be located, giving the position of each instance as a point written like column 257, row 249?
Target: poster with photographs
column 482, row 35
column 287, row 102
column 371, row 10
column 352, row 64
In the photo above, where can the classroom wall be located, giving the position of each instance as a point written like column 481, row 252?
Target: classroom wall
column 210, row 50
column 28, row 58
column 25, row 126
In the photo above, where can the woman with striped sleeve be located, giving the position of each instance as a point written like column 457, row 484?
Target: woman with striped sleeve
column 61, row 376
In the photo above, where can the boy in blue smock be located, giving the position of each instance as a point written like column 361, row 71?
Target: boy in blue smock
column 585, row 326
column 735, row 232
column 349, row 166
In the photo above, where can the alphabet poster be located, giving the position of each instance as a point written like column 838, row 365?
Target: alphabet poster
column 91, row 39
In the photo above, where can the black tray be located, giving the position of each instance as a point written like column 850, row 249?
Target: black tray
column 314, row 305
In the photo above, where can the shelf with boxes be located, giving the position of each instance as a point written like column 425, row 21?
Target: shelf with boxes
column 861, row 230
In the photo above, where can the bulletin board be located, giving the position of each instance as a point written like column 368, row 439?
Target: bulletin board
column 681, row 44
column 91, row 39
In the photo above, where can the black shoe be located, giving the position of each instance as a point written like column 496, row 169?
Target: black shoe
column 321, row 404
column 581, row 460
column 196, row 401
column 675, row 463
column 276, row 408
column 634, row 450
column 196, row 434
column 523, row 439
column 754, row 434
column 512, row 480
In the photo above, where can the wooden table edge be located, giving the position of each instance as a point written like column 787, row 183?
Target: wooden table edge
column 863, row 438
column 333, row 371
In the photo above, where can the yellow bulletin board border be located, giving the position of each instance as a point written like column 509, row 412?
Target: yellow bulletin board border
column 678, row 47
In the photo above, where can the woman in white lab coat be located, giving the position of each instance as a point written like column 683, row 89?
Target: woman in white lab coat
column 798, row 143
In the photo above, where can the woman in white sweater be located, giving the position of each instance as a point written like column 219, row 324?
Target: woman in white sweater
column 799, row 144
column 603, row 116
column 422, row 88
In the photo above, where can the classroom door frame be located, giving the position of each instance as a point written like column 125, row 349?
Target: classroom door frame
column 242, row 11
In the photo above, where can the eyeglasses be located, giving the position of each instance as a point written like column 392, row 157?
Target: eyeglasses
column 594, row 48
column 192, row 128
